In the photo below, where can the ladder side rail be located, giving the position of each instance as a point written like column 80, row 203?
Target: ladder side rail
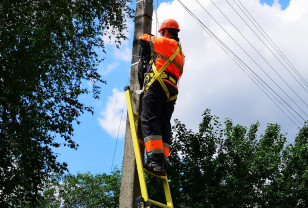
column 167, row 192
column 137, row 151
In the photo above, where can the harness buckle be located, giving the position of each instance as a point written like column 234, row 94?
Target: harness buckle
column 163, row 75
column 169, row 77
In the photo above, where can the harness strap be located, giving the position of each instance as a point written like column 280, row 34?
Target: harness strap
column 157, row 74
column 164, row 76
column 172, row 62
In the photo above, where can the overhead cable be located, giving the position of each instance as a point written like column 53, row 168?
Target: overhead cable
column 259, row 64
column 299, row 97
column 264, row 43
column 238, row 60
column 275, row 46
column 254, row 60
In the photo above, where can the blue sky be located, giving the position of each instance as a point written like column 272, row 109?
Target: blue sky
column 100, row 136
column 284, row 3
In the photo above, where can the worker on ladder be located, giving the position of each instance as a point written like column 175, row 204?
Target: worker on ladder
column 164, row 67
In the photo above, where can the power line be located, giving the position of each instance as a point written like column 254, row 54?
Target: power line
column 257, row 63
column 253, row 59
column 230, row 52
column 116, row 144
column 263, row 88
column 265, row 43
column 157, row 24
column 276, row 71
column 275, row 46
column 258, row 54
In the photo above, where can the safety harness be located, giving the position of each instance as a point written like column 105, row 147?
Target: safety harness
column 159, row 75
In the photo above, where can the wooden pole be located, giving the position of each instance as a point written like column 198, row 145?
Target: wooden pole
column 130, row 188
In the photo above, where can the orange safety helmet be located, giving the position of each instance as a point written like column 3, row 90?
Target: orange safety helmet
column 169, row 23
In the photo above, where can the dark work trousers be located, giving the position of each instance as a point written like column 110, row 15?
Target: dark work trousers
column 156, row 115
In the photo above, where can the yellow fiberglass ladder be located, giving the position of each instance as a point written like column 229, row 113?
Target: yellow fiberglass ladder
column 144, row 201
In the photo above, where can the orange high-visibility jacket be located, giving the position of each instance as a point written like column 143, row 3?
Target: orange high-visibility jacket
column 162, row 49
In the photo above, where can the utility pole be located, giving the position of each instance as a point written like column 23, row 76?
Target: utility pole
column 130, row 188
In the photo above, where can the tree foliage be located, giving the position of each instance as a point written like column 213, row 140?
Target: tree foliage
column 83, row 190
column 232, row 166
column 219, row 166
column 47, row 49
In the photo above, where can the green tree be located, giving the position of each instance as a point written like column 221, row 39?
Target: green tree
column 83, row 190
column 47, row 49
column 232, row 166
column 268, row 165
column 193, row 169
column 293, row 182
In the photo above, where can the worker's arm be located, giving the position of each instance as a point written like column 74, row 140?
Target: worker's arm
column 144, row 41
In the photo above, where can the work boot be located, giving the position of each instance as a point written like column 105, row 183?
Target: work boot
column 156, row 168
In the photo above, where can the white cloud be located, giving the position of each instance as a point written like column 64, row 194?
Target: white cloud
column 105, row 70
column 111, row 38
column 123, row 54
column 212, row 80
column 114, row 116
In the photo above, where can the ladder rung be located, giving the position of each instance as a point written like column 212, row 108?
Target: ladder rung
column 158, row 204
column 153, row 174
